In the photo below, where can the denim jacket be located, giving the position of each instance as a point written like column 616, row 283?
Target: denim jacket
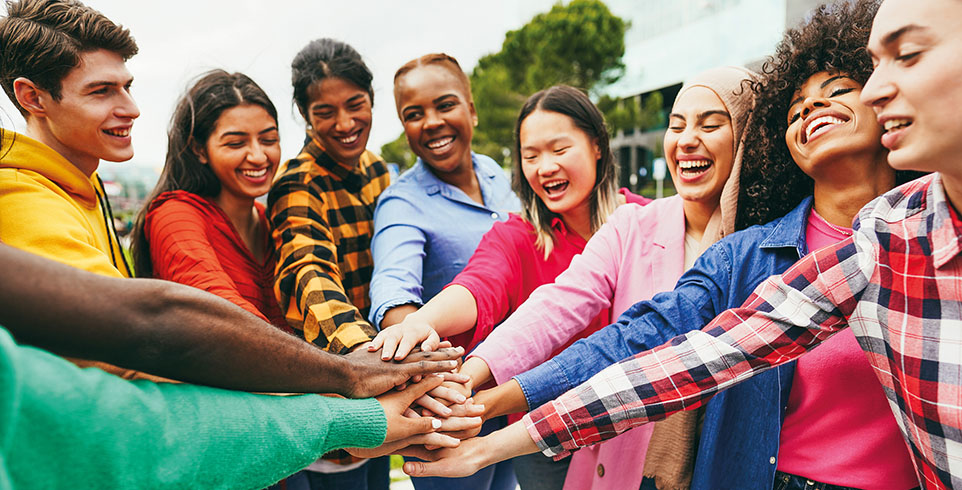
column 738, row 447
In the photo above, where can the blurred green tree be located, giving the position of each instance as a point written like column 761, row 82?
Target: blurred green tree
column 399, row 152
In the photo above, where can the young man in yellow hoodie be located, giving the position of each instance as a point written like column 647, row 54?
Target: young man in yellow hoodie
column 71, row 84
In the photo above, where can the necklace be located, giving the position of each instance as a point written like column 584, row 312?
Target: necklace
column 839, row 229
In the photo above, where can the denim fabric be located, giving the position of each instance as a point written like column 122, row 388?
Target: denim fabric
column 738, row 447
column 498, row 476
column 372, row 475
column 538, row 472
column 425, row 230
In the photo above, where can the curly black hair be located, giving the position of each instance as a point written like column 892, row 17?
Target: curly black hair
column 832, row 40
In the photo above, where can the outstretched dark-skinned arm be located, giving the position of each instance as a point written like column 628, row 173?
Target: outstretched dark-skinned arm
column 179, row 332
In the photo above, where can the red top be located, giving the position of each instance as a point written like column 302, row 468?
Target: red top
column 193, row 242
column 837, row 407
column 507, row 267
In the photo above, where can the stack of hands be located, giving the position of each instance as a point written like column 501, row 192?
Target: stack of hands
column 429, row 416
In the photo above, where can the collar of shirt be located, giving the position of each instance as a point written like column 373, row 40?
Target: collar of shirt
column 945, row 237
column 790, row 230
column 340, row 170
column 433, row 185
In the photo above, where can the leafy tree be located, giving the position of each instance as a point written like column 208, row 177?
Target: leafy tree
column 399, row 152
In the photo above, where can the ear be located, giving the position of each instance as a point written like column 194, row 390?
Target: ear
column 31, row 97
column 474, row 113
column 199, row 151
column 597, row 149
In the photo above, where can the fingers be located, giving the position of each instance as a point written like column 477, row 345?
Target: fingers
column 428, row 402
column 448, row 466
column 456, row 424
column 389, row 341
column 405, row 346
column 431, row 343
column 458, row 378
column 446, row 393
column 377, row 342
column 466, row 410
column 442, row 354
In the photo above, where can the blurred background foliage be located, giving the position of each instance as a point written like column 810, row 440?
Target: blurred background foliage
column 579, row 44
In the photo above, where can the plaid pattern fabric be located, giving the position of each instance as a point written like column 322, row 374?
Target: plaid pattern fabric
column 897, row 283
column 322, row 215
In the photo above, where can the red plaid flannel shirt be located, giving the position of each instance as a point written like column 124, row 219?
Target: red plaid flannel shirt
column 897, row 282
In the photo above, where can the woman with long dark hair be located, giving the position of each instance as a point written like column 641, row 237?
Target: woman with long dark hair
column 201, row 225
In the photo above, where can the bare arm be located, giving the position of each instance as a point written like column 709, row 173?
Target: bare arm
column 179, row 332
column 450, row 312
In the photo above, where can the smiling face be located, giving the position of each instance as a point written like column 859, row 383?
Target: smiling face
column 243, row 151
column 827, row 121
column 699, row 145
column 916, row 46
column 438, row 115
column 558, row 160
column 340, row 114
column 94, row 116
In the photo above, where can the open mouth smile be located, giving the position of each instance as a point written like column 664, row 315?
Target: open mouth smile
column 694, row 167
column 555, row 188
column 819, row 125
column 119, row 132
column 440, row 145
column 254, row 173
column 350, row 139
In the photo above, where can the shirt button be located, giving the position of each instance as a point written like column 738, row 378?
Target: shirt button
column 771, row 460
column 601, row 470
column 494, row 215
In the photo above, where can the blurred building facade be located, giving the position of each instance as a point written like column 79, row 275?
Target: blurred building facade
column 670, row 41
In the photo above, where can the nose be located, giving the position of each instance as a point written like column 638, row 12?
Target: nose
column 878, row 89
column 689, row 138
column 128, row 107
column 812, row 103
column 547, row 166
column 432, row 120
column 257, row 153
column 343, row 121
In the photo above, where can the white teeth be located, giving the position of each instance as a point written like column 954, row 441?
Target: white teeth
column 434, row 145
column 820, row 124
column 350, row 139
column 554, row 184
column 118, row 132
column 896, row 123
column 255, row 173
column 690, row 164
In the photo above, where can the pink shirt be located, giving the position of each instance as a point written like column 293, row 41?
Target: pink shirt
column 838, row 427
column 638, row 253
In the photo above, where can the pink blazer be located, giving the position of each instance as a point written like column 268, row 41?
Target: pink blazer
column 639, row 252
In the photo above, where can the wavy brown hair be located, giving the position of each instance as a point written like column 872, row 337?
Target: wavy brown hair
column 832, row 40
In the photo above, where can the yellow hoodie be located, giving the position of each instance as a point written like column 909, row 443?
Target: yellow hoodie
column 50, row 208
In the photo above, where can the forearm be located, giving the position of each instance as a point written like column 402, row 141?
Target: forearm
column 397, row 314
column 157, row 327
column 450, row 312
column 118, row 434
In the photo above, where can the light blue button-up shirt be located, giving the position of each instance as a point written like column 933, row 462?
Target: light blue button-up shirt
column 425, row 230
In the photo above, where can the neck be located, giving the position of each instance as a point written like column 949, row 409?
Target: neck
column 37, row 130
column 240, row 211
column 839, row 197
column 697, row 216
column 578, row 220
column 464, row 178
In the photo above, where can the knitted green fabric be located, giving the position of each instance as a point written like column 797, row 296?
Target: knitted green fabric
column 65, row 427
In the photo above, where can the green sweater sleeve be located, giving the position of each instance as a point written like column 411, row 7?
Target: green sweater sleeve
column 65, row 427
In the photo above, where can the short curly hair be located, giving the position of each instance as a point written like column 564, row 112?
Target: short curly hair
column 832, row 40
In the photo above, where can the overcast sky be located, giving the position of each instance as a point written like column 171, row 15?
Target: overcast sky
column 180, row 39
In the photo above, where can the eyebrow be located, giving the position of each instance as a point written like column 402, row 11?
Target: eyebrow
column 244, row 133
column 896, row 34
column 550, row 142
column 703, row 115
column 445, row 96
column 824, row 84
column 107, row 83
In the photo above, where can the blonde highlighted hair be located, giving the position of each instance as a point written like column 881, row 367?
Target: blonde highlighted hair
column 573, row 103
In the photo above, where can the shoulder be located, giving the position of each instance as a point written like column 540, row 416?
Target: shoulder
column 514, row 231
column 898, row 204
column 179, row 205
